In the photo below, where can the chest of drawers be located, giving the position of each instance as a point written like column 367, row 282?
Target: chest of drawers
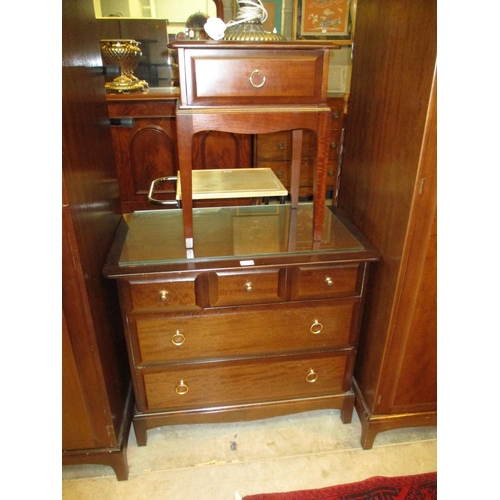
column 261, row 322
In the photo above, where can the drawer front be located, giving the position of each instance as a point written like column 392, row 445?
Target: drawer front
column 309, row 144
column 246, row 77
column 267, row 379
column 326, row 282
column 306, row 178
column 274, row 147
column 245, row 333
column 337, row 108
column 163, row 295
column 229, row 288
column 280, row 168
column 307, row 174
column 278, row 146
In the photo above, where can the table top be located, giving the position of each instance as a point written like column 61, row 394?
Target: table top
column 153, row 241
column 234, row 183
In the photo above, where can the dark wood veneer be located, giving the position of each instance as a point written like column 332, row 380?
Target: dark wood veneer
column 236, row 338
column 389, row 191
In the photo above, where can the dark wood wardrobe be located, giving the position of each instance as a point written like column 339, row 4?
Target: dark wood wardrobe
column 388, row 188
column 97, row 400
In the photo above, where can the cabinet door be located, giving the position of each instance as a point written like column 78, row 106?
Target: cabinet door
column 145, row 152
column 148, row 150
column 225, row 150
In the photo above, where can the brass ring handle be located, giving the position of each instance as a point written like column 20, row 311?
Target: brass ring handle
column 312, row 376
column 248, row 286
column 163, row 295
column 182, row 388
column 178, row 338
column 329, row 281
column 316, row 327
column 263, row 78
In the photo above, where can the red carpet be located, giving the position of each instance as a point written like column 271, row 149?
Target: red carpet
column 418, row 487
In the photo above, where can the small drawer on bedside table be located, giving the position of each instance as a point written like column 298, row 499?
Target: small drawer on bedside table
column 239, row 288
column 225, row 77
column 163, row 295
column 232, row 383
column 326, row 282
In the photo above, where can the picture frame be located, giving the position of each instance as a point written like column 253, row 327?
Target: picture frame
column 321, row 20
column 275, row 15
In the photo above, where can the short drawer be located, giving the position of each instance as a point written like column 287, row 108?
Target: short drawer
column 309, row 144
column 243, row 332
column 336, row 106
column 307, row 173
column 163, row 295
column 278, row 146
column 282, row 170
column 242, row 288
column 274, row 147
column 326, row 282
column 243, row 382
column 224, row 77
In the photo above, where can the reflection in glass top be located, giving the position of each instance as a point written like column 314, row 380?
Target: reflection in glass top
column 249, row 231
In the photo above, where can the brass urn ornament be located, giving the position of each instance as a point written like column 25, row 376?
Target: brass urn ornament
column 126, row 54
column 246, row 28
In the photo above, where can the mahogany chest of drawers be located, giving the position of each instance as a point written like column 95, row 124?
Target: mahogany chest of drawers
column 261, row 321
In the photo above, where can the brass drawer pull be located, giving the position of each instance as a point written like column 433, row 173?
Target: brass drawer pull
column 335, row 114
column 178, row 338
column 281, row 146
column 316, row 327
column 163, row 295
column 328, row 281
column 333, row 144
column 256, row 72
column 312, row 376
column 248, row 286
column 182, row 388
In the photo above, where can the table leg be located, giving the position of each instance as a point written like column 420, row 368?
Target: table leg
column 295, row 170
column 320, row 174
column 185, row 154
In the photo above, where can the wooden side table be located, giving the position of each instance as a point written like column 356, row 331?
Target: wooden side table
column 253, row 88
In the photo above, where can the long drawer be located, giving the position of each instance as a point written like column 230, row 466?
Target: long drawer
column 268, row 379
column 244, row 332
